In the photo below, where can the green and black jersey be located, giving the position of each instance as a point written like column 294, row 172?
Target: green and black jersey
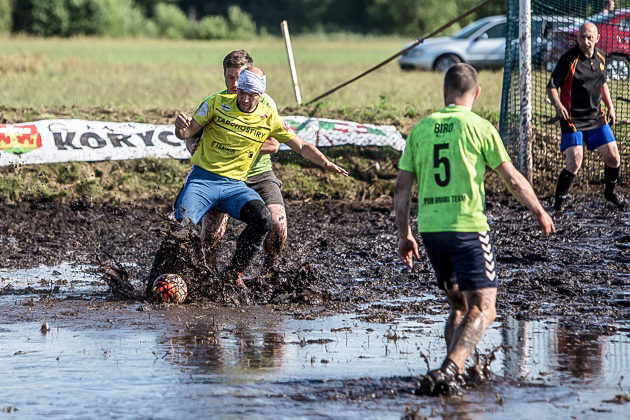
column 448, row 151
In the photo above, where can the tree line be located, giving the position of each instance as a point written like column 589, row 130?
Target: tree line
column 244, row 19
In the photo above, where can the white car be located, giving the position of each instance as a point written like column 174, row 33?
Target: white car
column 481, row 44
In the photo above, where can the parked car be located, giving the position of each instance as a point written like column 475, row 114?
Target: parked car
column 543, row 28
column 481, row 44
column 614, row 32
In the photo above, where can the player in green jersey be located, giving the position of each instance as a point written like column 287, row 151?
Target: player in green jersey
column 446, row 154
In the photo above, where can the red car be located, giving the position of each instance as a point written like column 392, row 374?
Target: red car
column 614, row 41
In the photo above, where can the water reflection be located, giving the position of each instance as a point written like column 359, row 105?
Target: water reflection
column 228, row 349
column 553, row 350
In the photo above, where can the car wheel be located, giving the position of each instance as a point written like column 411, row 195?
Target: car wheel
column 445, row 61
column 617, row 67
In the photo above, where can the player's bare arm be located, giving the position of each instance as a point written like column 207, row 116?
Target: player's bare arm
column 269, row 147
column 310, row 152
column 561, row 111
column 523, row 192
column 407, row 245
column 185, row 126
column 609, row 104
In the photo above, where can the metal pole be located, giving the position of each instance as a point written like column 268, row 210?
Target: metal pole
column 294, row 79
column 525, row 77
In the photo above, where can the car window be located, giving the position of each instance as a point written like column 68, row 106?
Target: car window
column 467, row 31
column 497, row 31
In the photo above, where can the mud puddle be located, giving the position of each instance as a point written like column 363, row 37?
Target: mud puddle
column 165, row 362
column 62, row 280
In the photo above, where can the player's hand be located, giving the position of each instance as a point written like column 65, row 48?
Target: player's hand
column 562, row 112
column 612, row 118
column 546, row 224
column 182, row 121
column 407, row 249
column 331, row 167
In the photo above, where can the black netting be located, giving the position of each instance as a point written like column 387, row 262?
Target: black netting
column 554, row 26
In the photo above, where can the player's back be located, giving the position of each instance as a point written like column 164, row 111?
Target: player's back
column 449, row 150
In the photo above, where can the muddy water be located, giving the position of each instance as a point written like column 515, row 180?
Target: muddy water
column 350, row 347
column 163, row 362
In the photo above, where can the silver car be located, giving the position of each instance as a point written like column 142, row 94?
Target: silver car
column 481, row 44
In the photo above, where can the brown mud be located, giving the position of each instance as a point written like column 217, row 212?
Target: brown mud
column 340, row 256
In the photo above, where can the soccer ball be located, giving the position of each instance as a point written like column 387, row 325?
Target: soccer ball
column 169, row 288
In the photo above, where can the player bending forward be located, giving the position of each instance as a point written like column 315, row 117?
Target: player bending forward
column 446, row 153
column 234, row 130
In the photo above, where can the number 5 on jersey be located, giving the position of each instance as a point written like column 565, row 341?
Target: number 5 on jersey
column 441, row 160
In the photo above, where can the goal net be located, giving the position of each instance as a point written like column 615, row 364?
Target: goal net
column 554, row 25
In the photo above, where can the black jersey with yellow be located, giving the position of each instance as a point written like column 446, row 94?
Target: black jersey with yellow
column 231, row 139
column 580, row 79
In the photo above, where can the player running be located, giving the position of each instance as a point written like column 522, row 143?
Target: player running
column 447, row 153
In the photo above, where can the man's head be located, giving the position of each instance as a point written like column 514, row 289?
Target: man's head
column 252, row 83
column 587, row 38
column 233, row 63
column 460, row 85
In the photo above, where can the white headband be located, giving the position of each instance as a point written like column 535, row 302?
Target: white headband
column 251, row 82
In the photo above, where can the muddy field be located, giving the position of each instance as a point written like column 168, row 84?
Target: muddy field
column 343, row 255
column 339, row 264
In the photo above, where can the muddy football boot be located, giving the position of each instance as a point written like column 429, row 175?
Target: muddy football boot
column 615, row 199
column 443, row 382
column 559, row 202
column 229, row 275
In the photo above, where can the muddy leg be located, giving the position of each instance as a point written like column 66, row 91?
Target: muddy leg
column 458, row 308
column 213, row 226
column 277, row 236
column 481, row 313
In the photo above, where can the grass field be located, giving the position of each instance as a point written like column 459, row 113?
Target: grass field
column 137, row 75
column 150, row 80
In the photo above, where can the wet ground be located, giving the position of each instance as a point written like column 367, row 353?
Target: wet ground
column 348, row 342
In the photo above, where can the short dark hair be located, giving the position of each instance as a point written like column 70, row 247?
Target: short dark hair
column 237, row 58
column 460, row 78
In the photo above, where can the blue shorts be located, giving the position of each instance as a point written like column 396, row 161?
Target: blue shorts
column 593, row 138
column 204, row 190
column 465, row 258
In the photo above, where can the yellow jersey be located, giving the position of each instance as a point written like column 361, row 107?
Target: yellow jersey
column 231, row 139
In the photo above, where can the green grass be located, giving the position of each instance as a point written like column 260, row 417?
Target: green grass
column 150, row 80
column 176, row 75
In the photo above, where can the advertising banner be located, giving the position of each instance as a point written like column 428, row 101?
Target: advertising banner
column 49, row 141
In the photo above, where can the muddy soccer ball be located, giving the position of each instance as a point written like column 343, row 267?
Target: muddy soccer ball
column 169, row 288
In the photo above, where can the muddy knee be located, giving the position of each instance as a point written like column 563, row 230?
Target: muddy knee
column 258, row 219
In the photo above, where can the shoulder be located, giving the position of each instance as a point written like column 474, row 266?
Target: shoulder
column 268, row 101
column 599, row 53
column 570, row 55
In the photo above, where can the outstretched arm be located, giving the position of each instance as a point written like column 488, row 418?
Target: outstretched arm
column 310, row 152
column 520, row 188
column 407, row 245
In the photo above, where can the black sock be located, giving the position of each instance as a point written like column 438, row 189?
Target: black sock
column 611, row 175
column 564, row 183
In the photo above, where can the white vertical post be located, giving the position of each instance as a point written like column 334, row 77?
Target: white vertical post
column 294, row 79
column 525, row 77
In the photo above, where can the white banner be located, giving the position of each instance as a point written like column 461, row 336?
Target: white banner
column 51, row 141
